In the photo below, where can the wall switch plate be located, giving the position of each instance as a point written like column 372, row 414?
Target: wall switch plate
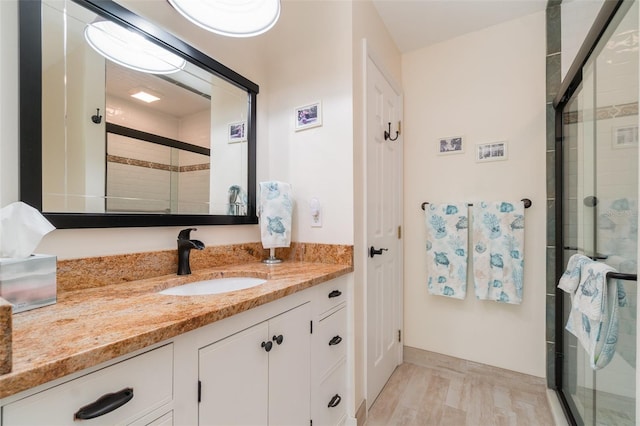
column 315, row 210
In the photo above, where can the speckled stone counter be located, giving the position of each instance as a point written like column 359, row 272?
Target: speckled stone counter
column 6, row 328
column 93, row 325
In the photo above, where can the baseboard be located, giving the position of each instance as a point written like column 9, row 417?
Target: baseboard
column 436, row 360
column 556, row 409
column 361, row 414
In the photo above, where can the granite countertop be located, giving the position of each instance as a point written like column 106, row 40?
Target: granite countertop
column 90, row 326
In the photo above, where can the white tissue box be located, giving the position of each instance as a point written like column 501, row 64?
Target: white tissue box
column 28, row 283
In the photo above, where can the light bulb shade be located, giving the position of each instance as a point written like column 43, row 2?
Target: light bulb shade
column 234, row 18
column 130, row 49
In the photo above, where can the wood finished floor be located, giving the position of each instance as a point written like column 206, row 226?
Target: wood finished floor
column 433, row 390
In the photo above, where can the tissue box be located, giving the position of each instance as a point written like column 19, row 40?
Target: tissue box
column 28, row 283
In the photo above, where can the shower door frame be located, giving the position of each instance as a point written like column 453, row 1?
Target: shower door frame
column 568, row 87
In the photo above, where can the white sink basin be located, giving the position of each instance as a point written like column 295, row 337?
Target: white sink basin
column 214, row 286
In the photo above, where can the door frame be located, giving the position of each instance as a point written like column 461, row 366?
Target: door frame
column 368, row 53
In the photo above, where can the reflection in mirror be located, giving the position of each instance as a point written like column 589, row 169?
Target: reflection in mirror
column 115, row 174
column 119, row 142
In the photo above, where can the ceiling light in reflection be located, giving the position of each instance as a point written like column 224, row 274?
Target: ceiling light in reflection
column 130, row 49
column 145, row 95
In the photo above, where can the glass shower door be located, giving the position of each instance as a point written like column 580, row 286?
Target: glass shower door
column 600, row 213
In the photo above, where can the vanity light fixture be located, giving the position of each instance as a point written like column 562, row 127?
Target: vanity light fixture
column 131, row 50
column 233, row 18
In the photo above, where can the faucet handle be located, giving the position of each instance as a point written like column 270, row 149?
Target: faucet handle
column 185, row 234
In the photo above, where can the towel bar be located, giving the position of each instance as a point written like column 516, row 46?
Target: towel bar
column 527, row 203
column 621, row 276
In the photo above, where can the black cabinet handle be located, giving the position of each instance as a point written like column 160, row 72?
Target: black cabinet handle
column 267, row 346
column 334, row 401
column 335, row 293
column 335, row 340
column 278, row 339
column 104, row 405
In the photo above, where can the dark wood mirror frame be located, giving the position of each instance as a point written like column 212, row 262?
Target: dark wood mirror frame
column 30, row 59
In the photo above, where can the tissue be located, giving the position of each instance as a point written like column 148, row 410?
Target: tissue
column 21, row 229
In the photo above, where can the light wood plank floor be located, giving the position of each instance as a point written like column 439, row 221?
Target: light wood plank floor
column 432, row 389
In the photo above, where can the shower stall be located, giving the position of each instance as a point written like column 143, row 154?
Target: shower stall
column 597, row 210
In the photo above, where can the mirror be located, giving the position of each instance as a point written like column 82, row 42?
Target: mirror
column 95, row 155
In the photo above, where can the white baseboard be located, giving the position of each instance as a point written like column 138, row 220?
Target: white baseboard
column 556, row 409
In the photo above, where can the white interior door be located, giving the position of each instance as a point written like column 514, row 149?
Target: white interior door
column 384, row 218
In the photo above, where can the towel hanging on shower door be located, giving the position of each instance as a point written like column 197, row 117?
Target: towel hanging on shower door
column 498, row 251
column 595, row 300
column 447, row 238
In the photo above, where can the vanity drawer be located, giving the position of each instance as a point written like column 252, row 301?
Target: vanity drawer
column 330, row 406
column 330, row 295
column 149, row 375
column 331, row 343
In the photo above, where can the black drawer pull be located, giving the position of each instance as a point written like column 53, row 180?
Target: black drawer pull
column 335, row 340
column 335, row 401
column 278, row 339
column 104, row 405
column 335, row 293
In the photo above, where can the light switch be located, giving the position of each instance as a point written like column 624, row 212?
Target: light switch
column 316, row 213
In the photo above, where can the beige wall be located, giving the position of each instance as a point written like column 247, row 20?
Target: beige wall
column 8, row 102
column 486, row 86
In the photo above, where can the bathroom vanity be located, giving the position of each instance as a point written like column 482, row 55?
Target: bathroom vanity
column 126, row 354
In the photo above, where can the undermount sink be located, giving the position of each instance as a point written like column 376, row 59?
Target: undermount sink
column 214, row 286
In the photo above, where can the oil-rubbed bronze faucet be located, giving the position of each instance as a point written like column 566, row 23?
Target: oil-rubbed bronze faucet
column 185, row 245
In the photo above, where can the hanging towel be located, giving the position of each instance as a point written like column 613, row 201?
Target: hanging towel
column 237, row 201
column 498, row 251
column 276, row 208
column 447, row 236
column 594, row 307
column 627, row 314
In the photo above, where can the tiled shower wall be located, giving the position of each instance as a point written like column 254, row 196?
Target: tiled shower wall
column 553, row 65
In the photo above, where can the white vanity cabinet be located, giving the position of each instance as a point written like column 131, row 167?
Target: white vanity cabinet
column 260, row 375
column 329, row 354
column 280, row 363
column 147, row 379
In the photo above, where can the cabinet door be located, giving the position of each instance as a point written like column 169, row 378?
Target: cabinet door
column 234, row 379
column 289, row 368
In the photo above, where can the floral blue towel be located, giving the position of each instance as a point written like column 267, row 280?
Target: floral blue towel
column 498, row 251
column 275, row 209
column 594, row 307
column 447, row 237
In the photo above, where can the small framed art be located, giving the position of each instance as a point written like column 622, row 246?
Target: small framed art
column 308, row 116
column 238, row 132
column 494, row 151
column 450, row 145
column 624, row 137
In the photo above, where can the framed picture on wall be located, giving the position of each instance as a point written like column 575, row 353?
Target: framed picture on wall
column 308, row 116
column 450, row 145
column 238, row 132
column 494, row 151
column 624, row 137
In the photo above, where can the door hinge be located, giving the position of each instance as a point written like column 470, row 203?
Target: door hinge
column 199, row 391
column 399, row 232
column 311, row 327
column 399, row 335
column 310, row 422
